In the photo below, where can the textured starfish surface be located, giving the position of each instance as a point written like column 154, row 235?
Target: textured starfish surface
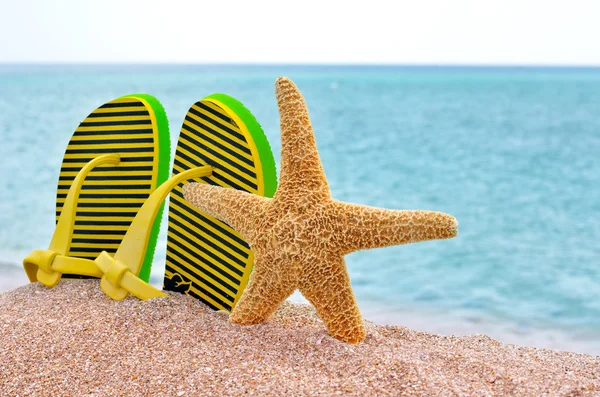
column 300, row 236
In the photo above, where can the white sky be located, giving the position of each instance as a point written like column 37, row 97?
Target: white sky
column 301, row 31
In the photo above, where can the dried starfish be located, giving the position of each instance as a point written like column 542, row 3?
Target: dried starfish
column 300, row 236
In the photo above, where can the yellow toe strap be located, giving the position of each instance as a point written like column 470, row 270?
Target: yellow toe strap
column 48, row 266
column 118, row 281
column 120, row 272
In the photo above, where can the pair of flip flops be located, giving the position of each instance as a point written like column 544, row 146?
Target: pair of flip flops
column 113, row 182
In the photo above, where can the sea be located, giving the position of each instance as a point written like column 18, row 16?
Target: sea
column 512, row 152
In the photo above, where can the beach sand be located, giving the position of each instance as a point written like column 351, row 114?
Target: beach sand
column 73, row 340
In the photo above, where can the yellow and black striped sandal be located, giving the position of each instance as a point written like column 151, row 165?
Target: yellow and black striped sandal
column 117, row 157
column 206, row 258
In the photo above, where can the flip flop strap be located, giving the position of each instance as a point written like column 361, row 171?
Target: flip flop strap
column 120, row 271
column 39, row 265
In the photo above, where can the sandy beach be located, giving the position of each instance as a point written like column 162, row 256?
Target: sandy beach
column 73, row 340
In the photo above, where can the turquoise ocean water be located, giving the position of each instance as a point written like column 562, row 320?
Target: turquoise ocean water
column 513, row 153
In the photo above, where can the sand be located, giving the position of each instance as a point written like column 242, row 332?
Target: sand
column 72, row 340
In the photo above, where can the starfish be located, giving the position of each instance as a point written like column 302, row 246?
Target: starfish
column 300, row 236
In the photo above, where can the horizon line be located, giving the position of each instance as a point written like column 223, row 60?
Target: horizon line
column 308, row 64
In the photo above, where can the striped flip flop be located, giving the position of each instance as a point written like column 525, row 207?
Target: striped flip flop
column 206, row 258
column 115, row 159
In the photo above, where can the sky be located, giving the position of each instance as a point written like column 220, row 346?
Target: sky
column 514, row 32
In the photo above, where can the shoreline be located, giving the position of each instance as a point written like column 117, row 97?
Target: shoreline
column 73, row 340
column 424, row 320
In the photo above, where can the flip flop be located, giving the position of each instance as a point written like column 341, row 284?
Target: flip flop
column 206, row 258
column 114, row 161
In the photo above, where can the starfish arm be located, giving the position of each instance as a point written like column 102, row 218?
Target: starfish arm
column 300, row 163
column 237, row 208
column 268, row 287
column 327, row 286
column 364, row 227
